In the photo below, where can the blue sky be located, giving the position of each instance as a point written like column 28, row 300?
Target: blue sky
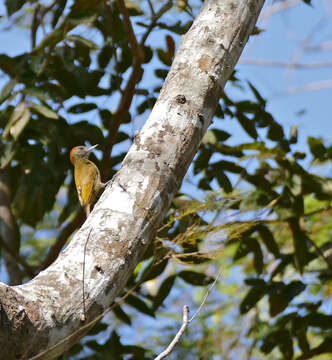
column 285, row 36
column 284, row 39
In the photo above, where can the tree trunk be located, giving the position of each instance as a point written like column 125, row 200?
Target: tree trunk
column 45, row 311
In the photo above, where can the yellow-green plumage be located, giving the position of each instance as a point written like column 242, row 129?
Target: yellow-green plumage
column 85, row 171
column 87, row 177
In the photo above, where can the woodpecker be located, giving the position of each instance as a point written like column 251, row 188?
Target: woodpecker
column 87, row 176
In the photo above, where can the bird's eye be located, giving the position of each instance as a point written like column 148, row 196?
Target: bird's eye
column 81, row 147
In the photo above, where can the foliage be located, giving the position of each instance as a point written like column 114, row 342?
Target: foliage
column 265, row 216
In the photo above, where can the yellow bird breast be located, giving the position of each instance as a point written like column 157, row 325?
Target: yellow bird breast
column 86, row 176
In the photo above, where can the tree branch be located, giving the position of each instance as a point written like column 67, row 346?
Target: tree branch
column 136, row 74
column 155, row 17
column 289, row 65
column 186, row 321
column 177, row 337
column 125, row 219
column 129, row 91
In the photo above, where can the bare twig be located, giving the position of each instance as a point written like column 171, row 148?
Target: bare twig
column 186, row 321
column 288, row 65
column 278, row 7
column 155, row 18
column 324, row 46
column 135, row 76
column 312, row 86
column 206, row 296
column 53, row 253
column 34, row 25
column 129, row 91
column 38, row 17
column 137, row 51
column 151, row 8
column 177, row 337
column 83, row 317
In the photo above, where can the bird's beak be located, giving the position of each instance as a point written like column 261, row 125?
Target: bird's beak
column 92, row 147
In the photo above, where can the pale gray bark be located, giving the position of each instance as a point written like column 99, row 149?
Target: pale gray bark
column 39, row 314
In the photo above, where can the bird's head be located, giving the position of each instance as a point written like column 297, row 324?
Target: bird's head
column 80, row 152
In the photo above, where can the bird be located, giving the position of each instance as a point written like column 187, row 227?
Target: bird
column 87, row 176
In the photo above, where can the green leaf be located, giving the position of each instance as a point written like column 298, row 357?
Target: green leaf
column 251, row 299
column 268, row 240
column 7, row 152
column 152, row 270
column 317, row 147
column 165, row 57
column 121, row 136
column 105, row 116
column 228, row 166
column 82, row 108
column 40, row 93
column 258, row 96
column 255, row 282
column 248, row 107
column 247, row 245
column 77, row 17
column 84, row 131
column 105, row 56
column 139, row 304
column 74, row 350
column 286, row 260
column 38, row 63
column 161, row 73
column 177, row 28
column 248, row 125
column 83, row 41
column 223, row 180
column 148, row 54
column 125, row 60
column 195, row 278
column 92, row 344
column 318, row 320
column 137, row 352
column 17, row 121
column 275, row 132
column 164, row 289
column 303, row 341
column 122, row 315
column 301, row 243
column 7, row 89
column 44, row 111
column 284, row 294
column 134, row 8
column 270, row 341
column 202, row 160
column 99, row 327
column 58, row 11
column 258, row 255
column 286, row 345
column 13, row 6
column 221, row 135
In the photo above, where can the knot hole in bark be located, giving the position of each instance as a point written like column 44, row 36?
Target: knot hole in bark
column 180, row 99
